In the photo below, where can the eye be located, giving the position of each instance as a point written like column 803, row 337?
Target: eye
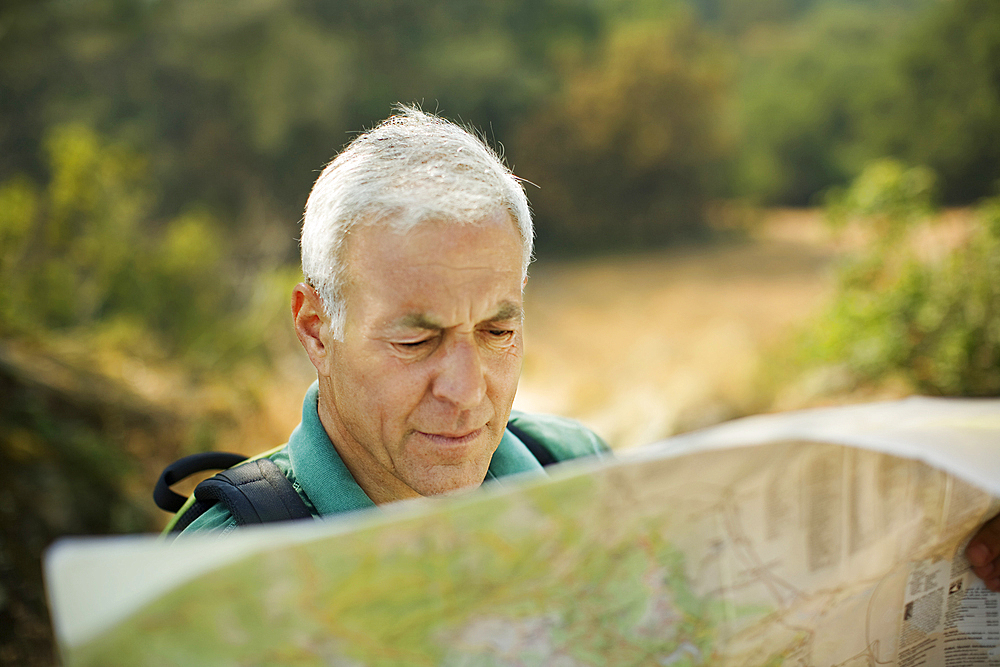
column 412, row 345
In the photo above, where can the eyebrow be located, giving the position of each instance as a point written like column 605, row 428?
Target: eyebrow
column 507, row 311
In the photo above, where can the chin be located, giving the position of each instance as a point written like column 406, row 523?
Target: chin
column 450, row 487
column 459, row 490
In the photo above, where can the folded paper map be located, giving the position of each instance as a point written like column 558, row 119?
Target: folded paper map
column 815, row 538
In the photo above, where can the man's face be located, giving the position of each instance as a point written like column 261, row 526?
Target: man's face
column 417, row 395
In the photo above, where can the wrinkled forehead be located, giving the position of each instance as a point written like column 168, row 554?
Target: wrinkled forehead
column 405, row 224
column 456, row 272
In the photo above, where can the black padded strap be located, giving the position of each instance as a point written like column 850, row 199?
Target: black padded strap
column 254, row 492
column 537, row 449
column 169, row 500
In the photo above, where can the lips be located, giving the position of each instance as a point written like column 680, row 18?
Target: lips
column 453, row 439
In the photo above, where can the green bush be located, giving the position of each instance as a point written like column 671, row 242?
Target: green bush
column 934, row 324
column 82, row 253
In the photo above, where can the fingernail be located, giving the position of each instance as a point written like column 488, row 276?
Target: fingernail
column 978, row 554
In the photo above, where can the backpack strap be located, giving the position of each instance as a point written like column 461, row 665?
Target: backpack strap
column 170, row 501
column 534, row 445
column 254, row 492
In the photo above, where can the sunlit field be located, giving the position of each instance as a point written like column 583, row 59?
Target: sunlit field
column 642, row 347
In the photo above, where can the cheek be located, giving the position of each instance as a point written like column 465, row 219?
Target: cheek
column 507, row 370
column 378, row 389
column 515, row 354
column 401, row 388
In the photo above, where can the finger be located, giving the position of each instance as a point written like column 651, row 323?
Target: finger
column 984, row 547
column 979, row 555
column 985, row 572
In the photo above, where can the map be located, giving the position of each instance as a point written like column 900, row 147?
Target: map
column 819, row 538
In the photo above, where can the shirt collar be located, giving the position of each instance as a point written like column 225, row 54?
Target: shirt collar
column 319, row 469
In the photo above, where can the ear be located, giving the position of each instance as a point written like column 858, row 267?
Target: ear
column 311, row 324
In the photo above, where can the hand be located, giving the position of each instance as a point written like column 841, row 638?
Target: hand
column 983, row 553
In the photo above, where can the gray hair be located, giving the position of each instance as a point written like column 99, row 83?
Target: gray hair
column 413, row 167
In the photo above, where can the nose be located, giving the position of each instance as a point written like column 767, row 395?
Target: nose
column 460, row 379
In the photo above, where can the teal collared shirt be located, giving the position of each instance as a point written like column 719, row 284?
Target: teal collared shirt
column 312, row 464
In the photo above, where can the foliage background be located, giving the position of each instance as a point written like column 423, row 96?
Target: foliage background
column 155, row 156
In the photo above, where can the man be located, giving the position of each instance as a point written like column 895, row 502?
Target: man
column 415, row 247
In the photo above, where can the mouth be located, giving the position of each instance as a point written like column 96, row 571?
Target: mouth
column 453, row 439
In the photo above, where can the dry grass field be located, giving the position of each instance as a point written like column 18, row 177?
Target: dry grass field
column 644, row 346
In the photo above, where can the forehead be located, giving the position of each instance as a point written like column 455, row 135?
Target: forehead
column 446, row 271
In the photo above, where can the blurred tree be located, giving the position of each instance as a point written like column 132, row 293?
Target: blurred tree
column 235, row 104
column 809, row 96
column 625, row 153
column 737, row 17
column 238, row 103
column 948, row 113
column 846, row 82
